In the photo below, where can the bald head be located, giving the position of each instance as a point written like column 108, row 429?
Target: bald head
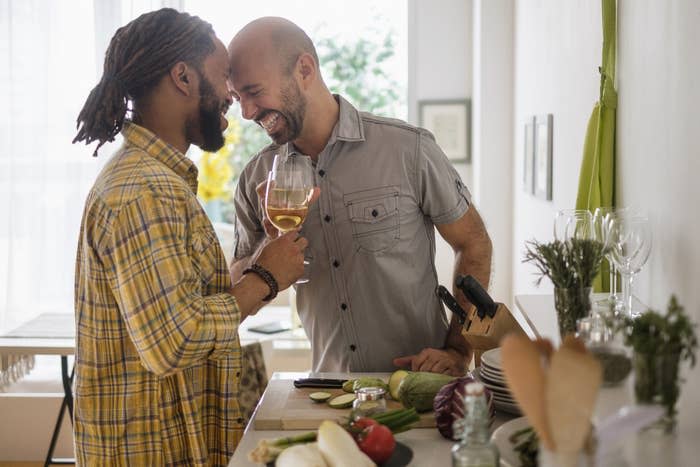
column 273, row 38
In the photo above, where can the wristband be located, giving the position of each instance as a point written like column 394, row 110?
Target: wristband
column 266, row 276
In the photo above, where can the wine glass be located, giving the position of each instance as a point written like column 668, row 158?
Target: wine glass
column 602, row 223
column 632, row 239
column 290, row 185
column 573, row 223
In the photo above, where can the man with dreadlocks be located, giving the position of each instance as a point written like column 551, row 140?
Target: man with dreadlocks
column 157, row 363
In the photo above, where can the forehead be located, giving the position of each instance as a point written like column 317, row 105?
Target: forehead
column 217, row 60
column 253, row 64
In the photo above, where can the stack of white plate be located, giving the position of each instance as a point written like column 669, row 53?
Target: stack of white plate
column 491, row 375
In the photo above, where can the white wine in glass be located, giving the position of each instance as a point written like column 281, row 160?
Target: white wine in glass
column 286, row 208
column 290, row 185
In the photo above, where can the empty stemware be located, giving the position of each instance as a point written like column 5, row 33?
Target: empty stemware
column 573, row 223
column 632, row 239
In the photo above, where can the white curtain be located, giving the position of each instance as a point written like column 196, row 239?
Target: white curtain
column 51, row 54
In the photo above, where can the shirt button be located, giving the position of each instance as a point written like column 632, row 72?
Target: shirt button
column 343, row 306
column 374, row 213
column 336, row 263
column 322, row 172
column 352, row 347
column 327, row 218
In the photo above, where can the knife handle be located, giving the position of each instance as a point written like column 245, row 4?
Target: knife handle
column 476, row 294
column 319, row 383
column 451, row 303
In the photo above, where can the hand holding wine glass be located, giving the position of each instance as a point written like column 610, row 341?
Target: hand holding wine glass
column 289, row 191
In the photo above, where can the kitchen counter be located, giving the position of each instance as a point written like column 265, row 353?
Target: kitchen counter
column 536, row 315
column 429, row 447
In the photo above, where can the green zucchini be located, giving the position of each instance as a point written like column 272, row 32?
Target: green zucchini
column 342, row 402
column 394, row 382
column 320, row 396
column 418, row 389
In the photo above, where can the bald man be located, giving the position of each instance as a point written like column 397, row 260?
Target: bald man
column 370, row 304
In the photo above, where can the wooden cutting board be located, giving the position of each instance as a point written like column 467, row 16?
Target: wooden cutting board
column 284, row 407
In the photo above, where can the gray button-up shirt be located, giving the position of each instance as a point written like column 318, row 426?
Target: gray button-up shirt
column 371, row 295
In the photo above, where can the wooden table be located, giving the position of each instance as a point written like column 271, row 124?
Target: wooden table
column 34, row 341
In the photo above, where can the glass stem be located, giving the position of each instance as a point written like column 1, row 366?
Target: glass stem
column 613, row 280
column 627, row 293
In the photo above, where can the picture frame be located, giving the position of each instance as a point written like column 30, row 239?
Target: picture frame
column 529, row 156
column 543, row 157
column 449, row 120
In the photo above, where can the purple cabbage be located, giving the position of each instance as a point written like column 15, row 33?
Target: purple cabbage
column 448, row 405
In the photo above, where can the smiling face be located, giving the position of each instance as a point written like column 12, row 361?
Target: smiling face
column 205, row 128
column 267, row 93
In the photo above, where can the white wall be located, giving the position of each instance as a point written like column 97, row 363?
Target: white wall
column 440, row 67
column 493, row 140
column 659, row 150
column 558, row 50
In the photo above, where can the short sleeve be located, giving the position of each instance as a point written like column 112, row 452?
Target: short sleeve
column 442, row 194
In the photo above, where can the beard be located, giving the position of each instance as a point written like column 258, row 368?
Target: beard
column 293, row 111
column 208, row 125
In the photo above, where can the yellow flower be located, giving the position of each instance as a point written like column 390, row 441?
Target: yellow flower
column 215, row 171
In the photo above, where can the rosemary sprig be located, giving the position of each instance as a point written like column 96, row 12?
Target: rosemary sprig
column 573, row 263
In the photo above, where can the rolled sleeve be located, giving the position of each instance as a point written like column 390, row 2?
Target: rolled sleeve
column 249, row 229
column 157, row 286
column 443, row 195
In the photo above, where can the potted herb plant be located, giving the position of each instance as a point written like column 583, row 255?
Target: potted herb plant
column 660, row 343
column 571, row 266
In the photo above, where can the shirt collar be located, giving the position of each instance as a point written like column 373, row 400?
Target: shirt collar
column 349, row 124
column 347, row 128
column 151, row 144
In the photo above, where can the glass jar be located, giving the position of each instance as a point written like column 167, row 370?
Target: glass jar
column 656, row 382
column 571, row 304
column 369, row 401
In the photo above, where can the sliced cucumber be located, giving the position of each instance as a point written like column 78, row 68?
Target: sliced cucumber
column 320, row 396
column 342, row 402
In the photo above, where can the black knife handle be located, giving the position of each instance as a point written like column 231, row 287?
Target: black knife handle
column 451, row 303
column 319, row 383
column 475, row 293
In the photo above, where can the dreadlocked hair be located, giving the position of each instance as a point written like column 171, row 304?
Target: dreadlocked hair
column 138, row 56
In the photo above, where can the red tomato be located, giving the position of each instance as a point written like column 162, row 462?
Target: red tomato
column 377, row 442
column 364, row 422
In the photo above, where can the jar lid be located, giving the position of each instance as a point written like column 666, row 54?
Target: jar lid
column 370, row 394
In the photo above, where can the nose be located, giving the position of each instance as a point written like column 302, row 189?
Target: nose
column 248, row 109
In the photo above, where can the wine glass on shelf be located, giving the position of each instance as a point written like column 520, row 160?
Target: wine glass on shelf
column 573, row 223
column 632, row 240
column 602, row 223
column 290, row 185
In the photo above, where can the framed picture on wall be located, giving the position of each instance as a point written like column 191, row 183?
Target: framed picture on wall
column 543, row 156
column 529, row 157
column 450, row 122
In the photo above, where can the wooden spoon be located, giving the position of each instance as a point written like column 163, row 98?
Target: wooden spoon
column 573, row 380
column 520, row 361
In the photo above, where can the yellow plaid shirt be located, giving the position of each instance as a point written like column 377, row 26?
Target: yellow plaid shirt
column 158, row 358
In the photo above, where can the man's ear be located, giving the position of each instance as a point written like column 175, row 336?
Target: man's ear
column 306, row 69
column 182, row 77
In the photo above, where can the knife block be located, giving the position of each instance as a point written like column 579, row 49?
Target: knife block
column 486, row 334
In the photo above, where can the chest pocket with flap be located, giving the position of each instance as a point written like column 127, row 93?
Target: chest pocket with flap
column 374, row 217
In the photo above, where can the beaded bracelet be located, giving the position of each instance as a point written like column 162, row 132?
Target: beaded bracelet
column 266, row 276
